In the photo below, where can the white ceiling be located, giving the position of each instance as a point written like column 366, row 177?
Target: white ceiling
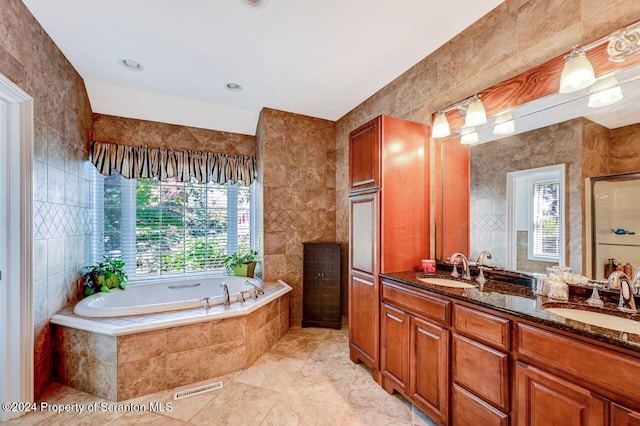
column 314, row 57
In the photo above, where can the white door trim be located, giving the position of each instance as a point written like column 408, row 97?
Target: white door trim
column 16, row 286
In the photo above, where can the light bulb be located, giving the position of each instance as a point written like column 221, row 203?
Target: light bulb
column 476, row 115
column 605, row 92
column 441, row 127
column 577, row 73
column 504, row 124
column 468, row 135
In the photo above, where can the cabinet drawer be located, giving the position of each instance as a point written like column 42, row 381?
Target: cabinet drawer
column 482, row 370
column 416, row 302
column 467, row 409
column 585, row 363
column 487, row 328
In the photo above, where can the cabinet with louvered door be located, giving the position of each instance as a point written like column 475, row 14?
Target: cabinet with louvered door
column 321, row 289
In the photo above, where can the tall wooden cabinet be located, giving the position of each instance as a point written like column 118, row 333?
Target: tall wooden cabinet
column 321, row 277
column 388, row 220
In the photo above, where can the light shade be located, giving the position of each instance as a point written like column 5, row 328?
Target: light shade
column 468, row 135
column 577, row 72
column 504, row 124
column 605, row 92
column 476, row 115
column 441, row 127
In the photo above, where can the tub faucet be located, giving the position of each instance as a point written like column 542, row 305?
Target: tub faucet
column 465, row 266
column 256, row 290
column 225, row 292
column 484, row 254
column 620, row 280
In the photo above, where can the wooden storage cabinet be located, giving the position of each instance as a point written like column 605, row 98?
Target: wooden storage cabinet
column 414, row 350
column 468, row 409
column 321, row 277
column 429, row 368
column 545, row 399
column 388, row 220
column 620, row 416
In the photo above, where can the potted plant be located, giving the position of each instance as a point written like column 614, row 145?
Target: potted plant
column 104, row 276
column 241, row 264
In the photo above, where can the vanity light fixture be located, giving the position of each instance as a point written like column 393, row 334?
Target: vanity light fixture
column 605, row 92
column 504, row 124
column 441, row 127
column 468, row 135
column 471, row 108
column 476, row 114
column 577, row 73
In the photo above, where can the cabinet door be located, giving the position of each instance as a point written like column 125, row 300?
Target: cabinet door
column 330, row 278
column 545, row 399
column 364, row 156
column 468, row 409
column 364, row 307
column 621, row 416
column 429, row 368
column 363, row 219
column 394, row 348
column 312, row 282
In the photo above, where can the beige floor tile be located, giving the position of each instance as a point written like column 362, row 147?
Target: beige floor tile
column 55, row 394
column 147, row 418
column 311, row 332
column 184, row 409
column 354, row 417
column 238, row 404
column 272, row 372
column 341, row 336
column 292, row 411
column 332, row 352
column 295, row 346
column 366, row 394
column 324, row 382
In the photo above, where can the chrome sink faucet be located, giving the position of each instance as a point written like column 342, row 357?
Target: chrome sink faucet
column 225, row 293
column 620, row 280
column 484, row 254
column 465, row 266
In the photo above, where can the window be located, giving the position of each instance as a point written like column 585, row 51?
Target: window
column 167, row 228
column 545, row 232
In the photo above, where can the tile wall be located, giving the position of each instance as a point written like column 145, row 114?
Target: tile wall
column 296, row 165
column 62, row 126
column 512, row 38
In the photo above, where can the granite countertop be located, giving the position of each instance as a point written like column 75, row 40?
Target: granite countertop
column 520, row 301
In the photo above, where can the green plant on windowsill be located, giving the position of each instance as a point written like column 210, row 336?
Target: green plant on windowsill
column 241, row 264
column 105, row 276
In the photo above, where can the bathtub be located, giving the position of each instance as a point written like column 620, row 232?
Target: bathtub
column 164, row 296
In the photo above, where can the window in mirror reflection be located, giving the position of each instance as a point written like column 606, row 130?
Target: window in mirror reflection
column 535, row 228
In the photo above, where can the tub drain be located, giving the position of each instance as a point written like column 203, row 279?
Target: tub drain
column 197, row 390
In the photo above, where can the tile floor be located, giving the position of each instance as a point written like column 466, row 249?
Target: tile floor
column 306, row 378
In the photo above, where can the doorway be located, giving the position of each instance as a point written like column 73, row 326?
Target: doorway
column 16, row 286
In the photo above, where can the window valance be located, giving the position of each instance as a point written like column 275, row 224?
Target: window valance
column 163, row 163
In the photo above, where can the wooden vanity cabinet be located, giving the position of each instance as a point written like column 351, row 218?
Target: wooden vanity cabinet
column 621, row 416
column 415, row 348
column 480, row 365
column 388, row 220
column 546, row 399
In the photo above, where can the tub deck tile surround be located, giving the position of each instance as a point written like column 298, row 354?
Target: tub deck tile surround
column 118, row 366
column 314, row 389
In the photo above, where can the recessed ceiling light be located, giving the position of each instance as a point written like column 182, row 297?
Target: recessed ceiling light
column 131, row 65
column 233, row 86
column 255, row 3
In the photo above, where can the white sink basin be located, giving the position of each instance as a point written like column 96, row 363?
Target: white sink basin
column 611, row 322
column 447, row 283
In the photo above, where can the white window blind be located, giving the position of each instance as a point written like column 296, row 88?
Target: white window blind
column 162, row 228
column 546, row 219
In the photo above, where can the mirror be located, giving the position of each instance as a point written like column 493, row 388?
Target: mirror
column 551, row 130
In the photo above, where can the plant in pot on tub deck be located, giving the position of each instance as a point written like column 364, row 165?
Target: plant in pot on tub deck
column 104, row 276
column 242, row 264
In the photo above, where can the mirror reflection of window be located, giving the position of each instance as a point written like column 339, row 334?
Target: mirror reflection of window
column 535, row 225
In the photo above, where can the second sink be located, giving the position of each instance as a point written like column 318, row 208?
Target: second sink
column 611, row 322
column 447, row 283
